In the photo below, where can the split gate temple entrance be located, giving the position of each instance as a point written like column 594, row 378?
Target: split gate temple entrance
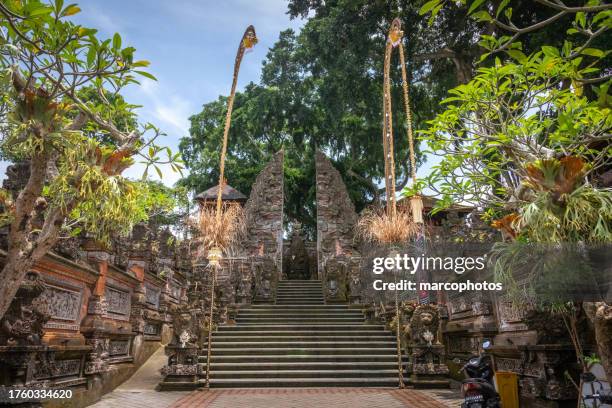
column 284, row 311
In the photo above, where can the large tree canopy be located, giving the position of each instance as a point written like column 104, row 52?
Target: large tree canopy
column 322, row 88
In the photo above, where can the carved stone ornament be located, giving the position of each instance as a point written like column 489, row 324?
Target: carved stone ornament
column 424, row 325
column 24, row 320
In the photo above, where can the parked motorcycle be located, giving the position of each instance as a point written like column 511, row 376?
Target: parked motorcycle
column 600, row 396
column 603, row 397
column 478, row 390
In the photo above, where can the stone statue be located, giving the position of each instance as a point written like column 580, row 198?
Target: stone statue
column 336, row 280
column 424, row 325
column 24, row 320
column 427, row 357
column 355, row 287
column 297, row 263
column 265, row 272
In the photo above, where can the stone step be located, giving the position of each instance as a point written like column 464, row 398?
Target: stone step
column 331, row 373
column 299, row 290
column 299, row 287
column 301, row 365
column 296, row 313
column 263, row 320
column 296, row 307
column 280, row 296
column 299, row 295
column 299, row 282
column 292, row 351
column 299, row 359
column 323, row 334
column 302, row 382
column 304, row 337
column 344, row 327
column 369, row 344
column 305, row 308
column 315, row 312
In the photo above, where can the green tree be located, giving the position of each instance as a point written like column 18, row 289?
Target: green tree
column 77, row 145
column 529, row 137
column 322, row 88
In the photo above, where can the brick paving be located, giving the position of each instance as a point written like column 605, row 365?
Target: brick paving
column 319, row 397
column 139, row 390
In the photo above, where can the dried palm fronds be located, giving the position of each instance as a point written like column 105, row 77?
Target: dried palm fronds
column 387, row 228
column 221, row 230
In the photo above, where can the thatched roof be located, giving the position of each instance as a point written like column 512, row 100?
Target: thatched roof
column 429, row 202
column 229, row 194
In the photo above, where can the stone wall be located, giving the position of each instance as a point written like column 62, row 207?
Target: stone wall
column 94, row 314
column 336, row 216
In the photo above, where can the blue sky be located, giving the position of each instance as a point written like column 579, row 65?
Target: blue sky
column 191, row 45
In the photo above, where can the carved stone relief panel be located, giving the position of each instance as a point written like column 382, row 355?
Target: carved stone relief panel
column 152, row 295
column 175, row 289
column 152, row 329
column 64, row 304
column 462, row 344
column 59, row 368
column 119, row 348
column 118, row 301
column 510, row 317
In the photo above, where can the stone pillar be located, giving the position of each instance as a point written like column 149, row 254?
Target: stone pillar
column 264, row 214
column 336, row 216
column 93, row 326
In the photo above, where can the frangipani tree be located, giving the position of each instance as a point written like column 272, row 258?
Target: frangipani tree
column 74, row 178
column 528, row 139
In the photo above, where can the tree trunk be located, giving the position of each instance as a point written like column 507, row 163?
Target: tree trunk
column 12, row 275
column 600, row 314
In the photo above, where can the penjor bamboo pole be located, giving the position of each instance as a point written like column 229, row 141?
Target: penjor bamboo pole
column 210, row 323
column 393, row 39
column 249, row 39
column 408, row 113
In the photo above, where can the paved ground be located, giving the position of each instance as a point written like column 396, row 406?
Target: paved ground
column 139, row 392
column 319, row 397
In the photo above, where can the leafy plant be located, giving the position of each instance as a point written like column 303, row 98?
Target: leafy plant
column 61, row 100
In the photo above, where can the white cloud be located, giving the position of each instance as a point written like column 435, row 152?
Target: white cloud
column 167, row 106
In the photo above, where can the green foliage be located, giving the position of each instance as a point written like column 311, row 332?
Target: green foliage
column 104, row 203
column 322, row 88
column 111, row 107
column 60, row 96
column 585, row 216
column 165, row 206
column 508, row 116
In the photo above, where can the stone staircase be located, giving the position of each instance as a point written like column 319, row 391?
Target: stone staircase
column 302, row 342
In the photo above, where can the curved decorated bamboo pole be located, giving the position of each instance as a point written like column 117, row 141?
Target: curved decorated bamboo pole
column 395, row 40
column 249, row 39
